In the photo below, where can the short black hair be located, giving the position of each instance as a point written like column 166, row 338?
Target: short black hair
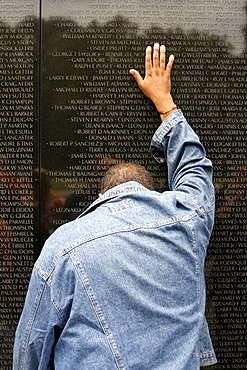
column 124, row 172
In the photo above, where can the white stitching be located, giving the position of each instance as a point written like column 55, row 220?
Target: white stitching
column 97, row 311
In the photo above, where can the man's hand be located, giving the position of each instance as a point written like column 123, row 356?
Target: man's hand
column 157, row 82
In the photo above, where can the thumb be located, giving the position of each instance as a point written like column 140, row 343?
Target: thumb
column 136, row 76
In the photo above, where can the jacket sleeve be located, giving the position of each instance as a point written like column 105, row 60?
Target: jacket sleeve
column 189, row 170
column 37, row 329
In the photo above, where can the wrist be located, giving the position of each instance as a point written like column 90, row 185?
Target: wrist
column 165, row 107
column 164, row 103
column 174, row 107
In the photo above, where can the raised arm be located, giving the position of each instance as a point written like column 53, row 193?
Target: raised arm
column 189, row 170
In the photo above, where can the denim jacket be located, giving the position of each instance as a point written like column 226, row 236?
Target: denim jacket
column 122, row 287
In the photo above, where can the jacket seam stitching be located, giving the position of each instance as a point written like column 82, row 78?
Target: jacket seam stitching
column 55, row 304
column 30, row 324
column 206, row 355
column 197, row 265
column 46, row 275
column 165, row 128
column 97, row 311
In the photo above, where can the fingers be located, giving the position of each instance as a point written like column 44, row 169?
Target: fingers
column 148, row 60
column 156, row 58
column 156, row 55
column 163, row 57
column 155, row 61
column 136, row 76
column 170, row 64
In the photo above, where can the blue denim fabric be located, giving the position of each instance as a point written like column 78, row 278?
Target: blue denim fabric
column 122, row 287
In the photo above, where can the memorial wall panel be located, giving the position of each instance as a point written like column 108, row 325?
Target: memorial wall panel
column 70, row 109
column 18, row 157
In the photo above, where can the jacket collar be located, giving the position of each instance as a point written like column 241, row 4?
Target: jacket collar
column 123, row 189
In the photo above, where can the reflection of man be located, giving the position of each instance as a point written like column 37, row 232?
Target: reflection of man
column 122, row 287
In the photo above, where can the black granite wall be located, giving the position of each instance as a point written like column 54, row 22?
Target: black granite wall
column 69, row 109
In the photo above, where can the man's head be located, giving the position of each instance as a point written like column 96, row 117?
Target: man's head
column 125, row 172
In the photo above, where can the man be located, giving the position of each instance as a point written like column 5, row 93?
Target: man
column 122, row 287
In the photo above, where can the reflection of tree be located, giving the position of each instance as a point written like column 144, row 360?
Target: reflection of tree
column 203, row 76
column 208, row 85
